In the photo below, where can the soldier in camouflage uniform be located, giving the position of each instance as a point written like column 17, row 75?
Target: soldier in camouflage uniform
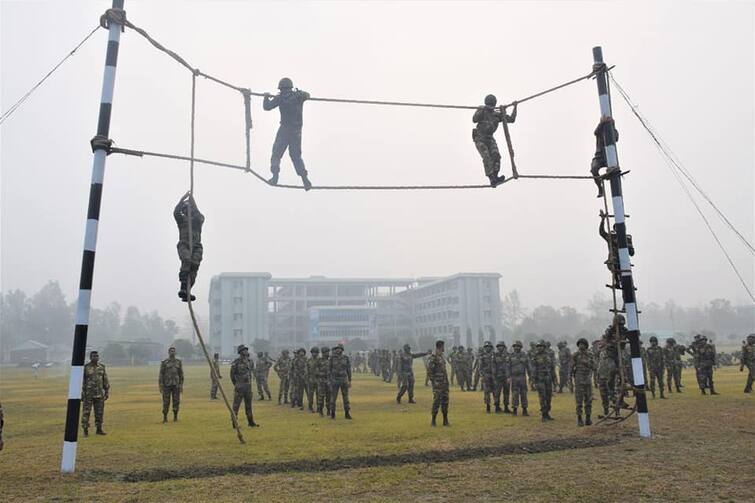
column 299, row 378
column 405, row 370
column 564, row 367
column 458, row 361
column 213, row 378
column 95, row 389
column 171, row 383
column 190, row 257
column 607, row 372
column 502, row 378
column 2, row 422
column 452, row 361
column 322, row 378
column 582, row 367
column 706, row 354
column 436, row 367
column 519, row 365
column 487, row 119
column 311, row 380
column 282, row 367
column 486, row 372
column 656, row 365
column 469, row 366
column 531, row 354
column 242, row 369
column 669, row 357
column 261, row 370
column 544, row 375
column 747, row 359
column 340, row 379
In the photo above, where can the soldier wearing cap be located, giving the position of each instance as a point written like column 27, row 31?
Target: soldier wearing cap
column 543, row 373
column 340, row 379
column 436, row 366
column 564, row 367
column 582, row 368
column 242, row 369
column 405, row 361
column 502, row 377
column 95, row 390
column 706, row 361
column 519, row 366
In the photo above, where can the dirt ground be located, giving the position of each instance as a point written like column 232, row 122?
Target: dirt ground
column 703, row 447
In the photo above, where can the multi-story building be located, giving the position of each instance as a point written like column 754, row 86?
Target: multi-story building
column 293, row 312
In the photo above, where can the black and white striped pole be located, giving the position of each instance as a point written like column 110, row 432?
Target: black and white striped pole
column 627, row 282
column 100, row 148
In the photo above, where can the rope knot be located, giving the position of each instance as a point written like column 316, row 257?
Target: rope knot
column 114, row 16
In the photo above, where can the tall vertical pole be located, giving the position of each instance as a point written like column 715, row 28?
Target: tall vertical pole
column 627, row 282
column 100, row 147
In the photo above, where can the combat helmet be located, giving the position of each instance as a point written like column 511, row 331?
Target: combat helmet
column 517, row 343
column 653, row 339
column 581, row 341
column 241, row 348
column 490, row 100
column 315, row 350
column 285, row 83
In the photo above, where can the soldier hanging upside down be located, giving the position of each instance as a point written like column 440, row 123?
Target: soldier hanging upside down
column 290, row 102
column 487, row 119
column 190, row 257
column 599, row 160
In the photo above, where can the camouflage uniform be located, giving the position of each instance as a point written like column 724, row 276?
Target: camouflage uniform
column 519, row 365
column 310, row 379
column 283, row 368
column 436, row 366
column 299, row 378
column 747, row 359
column 95, row 389
column 260, row 374
column 485, row 371
column 502, row 378
column 340, row 379
column 607, row 372
column 487, row 119
column 656, row 365
column 213, row 380
column 190, row 257
column 544, row 374
column 290, row 102
column 673, row 361
column 242, row 369
column 405, row 370
column 530, row 356
column 469, row 365
column 582, row 368
column 564, row 367
column 322, row 376
column 171, row 382
column 707, row 360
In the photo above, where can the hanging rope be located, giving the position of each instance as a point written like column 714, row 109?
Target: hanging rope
column 210, row 362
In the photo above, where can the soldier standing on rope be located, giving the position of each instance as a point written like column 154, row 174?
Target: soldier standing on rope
column 599, row 160
column 487, row 118
column 171, row 382
column 190, row 257
column 290, row 102
column 242, row 369
column 612, row 241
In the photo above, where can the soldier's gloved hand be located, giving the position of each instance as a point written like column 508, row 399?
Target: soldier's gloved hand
column 107, row 395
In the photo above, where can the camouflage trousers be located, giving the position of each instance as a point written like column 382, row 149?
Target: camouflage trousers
column 656, row 374
column 564, row 378
column 213, row 388
column 503, row 386
column 545, row 395
column 453, row 374
column 190, row 260
column 461, row 378
column 283, row 388
column 488, row 387
column 99, row 411
column 671, row 377
column 323, row 395
column 519, row 391
column 440, row 398
column 310, row 388
column 427, row 377
column 750, row 377
column 488, row 149
column 288, row 137
column 243, row 393
column 342, row 385
column 174, row 393
column 583, row 396
column 262, row 387
column 406, row 385
column 704, row 377
column 297, row 397
column 607, row 386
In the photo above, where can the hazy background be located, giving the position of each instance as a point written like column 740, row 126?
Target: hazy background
column 689, row 65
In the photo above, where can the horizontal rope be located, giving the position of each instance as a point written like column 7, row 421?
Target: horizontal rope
column 143, row 153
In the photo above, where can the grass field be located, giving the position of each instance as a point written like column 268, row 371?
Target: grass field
column 703, row 448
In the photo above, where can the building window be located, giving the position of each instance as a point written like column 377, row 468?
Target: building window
column 238, row 316
column 238, row 333
column 487, row 314
column 237, row 301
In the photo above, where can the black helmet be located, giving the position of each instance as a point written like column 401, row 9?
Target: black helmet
column 518, row 343
column 619, row 318
column 581, row 341
column 653, row 338
column 259, row 354
column 490, row 100
column 325, row 349
column 315, row 350
column 241, row 348
column 285, row 83
column 500, row 344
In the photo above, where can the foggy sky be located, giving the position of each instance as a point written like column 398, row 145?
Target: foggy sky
column 689, row 66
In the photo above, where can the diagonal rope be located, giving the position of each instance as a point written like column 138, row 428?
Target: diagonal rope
column 23, row 98
column 213, row 370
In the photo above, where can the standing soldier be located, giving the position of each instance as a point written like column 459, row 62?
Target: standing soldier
column 322, row 375
column 564, row 367
column 748, row 360
column 299, row 378
column 458, row 361
column 544, row 374
column 406, row 373
column 290, row 102
column 656, row 365
column 425, row 359
column 531, row 355
column 519, row 365
column 469, row 365
column 673, row 358
column 607, row 371
column 502, row 377
column 486, row 372
column 171, row 383
column 487, row 118
column 214, row 377
column 95, row 389
column 190, row 257
column 706, row 354
column 242, row 369
column 260, row 374
column 2, row 422
column 340, row 375
column 582, row 368
column 282, row 367
column 436, row 366
column 452, row 361
column 311, row 379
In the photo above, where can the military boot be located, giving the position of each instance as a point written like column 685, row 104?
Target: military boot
column 305, row 181
column 663, row 397
column 678, row 389
column 506, row 409
column 99, row 431
column 713, row 390
column 579, row 420
column 252, row 424
column 524, row 411
column 498, row 409
column 513, row 411
column 411, row 400
column 347, row 415
column 85, row 429
column 432, row 422
column 702, row 390
column 487, row 408
column 398, row 399
column 273, row 179
column 165, row 417
column 588, row 421
column 333, row 413
column 319, row 411
column 543, row 417
column 175, row 416
column 445, row 419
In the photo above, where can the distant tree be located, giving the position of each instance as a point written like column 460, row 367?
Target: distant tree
column 356, row 344
column 133, row 325
column 114, row 353
column 49, row 315
column 512, row 312
column 139, row 353
column 184, row 349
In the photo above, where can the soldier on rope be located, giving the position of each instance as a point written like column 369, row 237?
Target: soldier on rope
column 190, row 257
column 487, row 118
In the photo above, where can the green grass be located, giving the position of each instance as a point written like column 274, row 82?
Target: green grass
column 700, row 450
